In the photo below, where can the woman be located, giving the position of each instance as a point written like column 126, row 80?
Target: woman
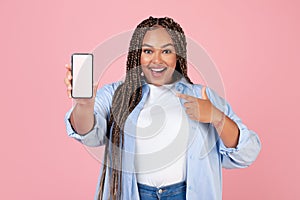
column 156, row 82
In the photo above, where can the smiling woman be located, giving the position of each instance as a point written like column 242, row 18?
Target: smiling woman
column 158, row 58
column 164, row 137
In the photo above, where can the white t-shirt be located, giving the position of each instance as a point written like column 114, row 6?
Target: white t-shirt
column 161, row 138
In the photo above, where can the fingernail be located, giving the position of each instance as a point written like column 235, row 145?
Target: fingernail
column 69, row 87
column 70, row 96
column 69, row 77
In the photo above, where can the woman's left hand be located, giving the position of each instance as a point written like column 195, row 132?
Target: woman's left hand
column 201, row 110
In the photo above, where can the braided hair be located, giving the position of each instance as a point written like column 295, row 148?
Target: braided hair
column 128, row 95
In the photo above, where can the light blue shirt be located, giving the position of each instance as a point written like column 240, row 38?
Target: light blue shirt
column 206, row 154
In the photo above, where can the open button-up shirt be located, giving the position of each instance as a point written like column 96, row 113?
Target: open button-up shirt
column 206, row 153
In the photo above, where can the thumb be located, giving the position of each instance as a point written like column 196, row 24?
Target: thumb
column 203, row 93
column 95, row 88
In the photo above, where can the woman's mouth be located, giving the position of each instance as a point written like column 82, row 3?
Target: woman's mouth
column 157, row 72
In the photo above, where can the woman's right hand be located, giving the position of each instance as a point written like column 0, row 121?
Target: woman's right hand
column 82, row 116
column 68, row 83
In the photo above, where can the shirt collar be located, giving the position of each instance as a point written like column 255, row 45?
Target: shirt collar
column 185, row 83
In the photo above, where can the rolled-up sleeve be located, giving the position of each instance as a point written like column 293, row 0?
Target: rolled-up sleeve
column 103, row 101
column 249, row 145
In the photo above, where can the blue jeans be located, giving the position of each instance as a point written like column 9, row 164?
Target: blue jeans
column 175, row 191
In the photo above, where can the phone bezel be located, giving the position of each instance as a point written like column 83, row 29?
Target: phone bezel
column 86, row 54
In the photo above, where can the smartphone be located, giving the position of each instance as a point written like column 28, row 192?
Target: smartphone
column 82, row 75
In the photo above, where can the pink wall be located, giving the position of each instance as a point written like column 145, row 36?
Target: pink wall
column 254, row 44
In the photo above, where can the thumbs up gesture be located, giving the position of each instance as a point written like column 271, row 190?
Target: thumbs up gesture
column 201, row 110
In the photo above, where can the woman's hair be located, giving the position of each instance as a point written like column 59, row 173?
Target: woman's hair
column 129, row 94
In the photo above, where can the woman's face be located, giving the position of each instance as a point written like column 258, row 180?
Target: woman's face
column 158, row 58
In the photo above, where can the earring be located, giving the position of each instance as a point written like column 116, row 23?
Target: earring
column 142, row 74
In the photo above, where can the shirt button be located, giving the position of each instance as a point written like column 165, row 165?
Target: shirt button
column 160, row 191
column 179, row 88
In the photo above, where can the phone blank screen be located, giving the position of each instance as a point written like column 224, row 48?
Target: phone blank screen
column 82, row 72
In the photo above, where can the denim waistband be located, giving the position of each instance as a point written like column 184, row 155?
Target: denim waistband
column 164, row 191
column 168, row 187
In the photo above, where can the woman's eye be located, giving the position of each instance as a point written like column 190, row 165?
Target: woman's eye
column 167, row 51
column 147, row 51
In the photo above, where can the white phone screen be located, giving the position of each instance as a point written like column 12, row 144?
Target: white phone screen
column 82, row 73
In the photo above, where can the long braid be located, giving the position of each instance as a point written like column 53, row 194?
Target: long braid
column 129, row 94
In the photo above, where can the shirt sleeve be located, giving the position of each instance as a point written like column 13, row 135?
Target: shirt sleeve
column 103, row 101
column 249, row 144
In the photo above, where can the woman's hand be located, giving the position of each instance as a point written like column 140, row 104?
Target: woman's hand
column 82, row 116
column 68, row 83
column 201, row 110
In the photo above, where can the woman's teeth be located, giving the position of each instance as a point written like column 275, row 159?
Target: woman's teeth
column 158, row 70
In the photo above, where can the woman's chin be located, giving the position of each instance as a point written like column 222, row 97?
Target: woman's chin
column 158, row 81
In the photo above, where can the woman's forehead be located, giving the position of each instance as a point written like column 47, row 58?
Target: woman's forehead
column 157, row 37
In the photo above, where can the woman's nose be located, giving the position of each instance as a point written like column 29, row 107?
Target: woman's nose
column 157, row 58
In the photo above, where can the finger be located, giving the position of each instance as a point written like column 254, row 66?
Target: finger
column 95, row 85
column 189, row 112
column 203, row 92
column 69, row 75
column 186, row 97
column 95, row 88
column 69, row 94
column 69, row 89
column 68, row 66
column 191, row 115
column 67, row 82
column 188, row 104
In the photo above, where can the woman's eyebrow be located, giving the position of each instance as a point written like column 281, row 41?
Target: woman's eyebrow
column 169, row 44
column 163, row 46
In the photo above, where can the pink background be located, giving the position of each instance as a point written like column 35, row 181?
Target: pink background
column 253, row 43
